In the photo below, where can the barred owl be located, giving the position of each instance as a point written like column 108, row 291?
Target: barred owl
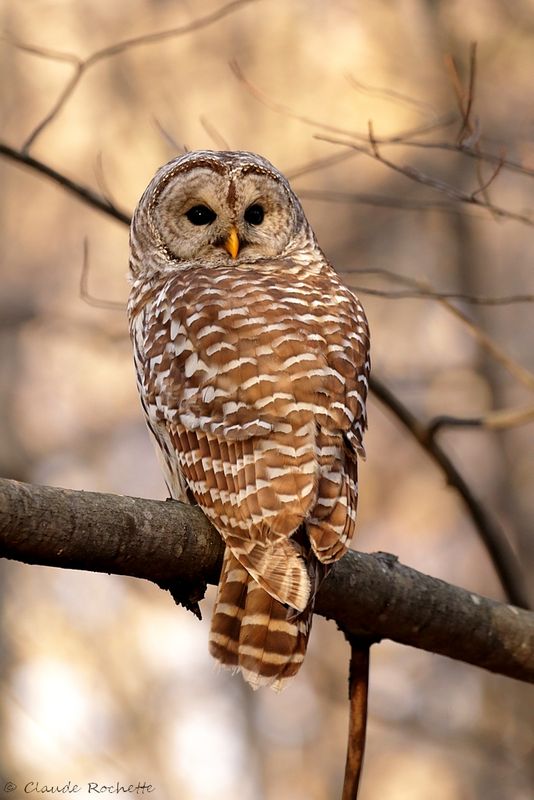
column 252, row 362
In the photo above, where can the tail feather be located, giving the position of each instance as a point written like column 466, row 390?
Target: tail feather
column 278, row 567
column 254, row 632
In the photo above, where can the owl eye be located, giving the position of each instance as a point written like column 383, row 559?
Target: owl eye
column 254, row 214
column 200, row 215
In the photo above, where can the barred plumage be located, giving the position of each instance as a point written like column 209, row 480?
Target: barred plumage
column 252, row 363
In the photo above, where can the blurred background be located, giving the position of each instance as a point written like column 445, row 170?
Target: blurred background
column 103, row 678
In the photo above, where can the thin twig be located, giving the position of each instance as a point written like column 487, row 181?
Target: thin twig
column 358, row 692
column 523, row 375
column 170, row 139
column 102, row 181
column 374, row 145
column 43, row 52
column 468, row 124
column 384, row 201
column 280, row 108
column 482, row 155
column 87, row 195
column 464, row 99
column 493, row 538
column 82, row 65
column 428, row 292
column 503, row 419
column 64, row 95
column 85, row 295
column 390, row 94
column 214, row 134
column 318, row 164
column 419, row 177
column 430, row 295
column 516, row 369
column 469, row 134
column 487, row 183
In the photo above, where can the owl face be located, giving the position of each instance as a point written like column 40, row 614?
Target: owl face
column 217, row 208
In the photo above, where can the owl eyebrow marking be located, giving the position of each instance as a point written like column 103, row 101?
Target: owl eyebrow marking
column 232, row 195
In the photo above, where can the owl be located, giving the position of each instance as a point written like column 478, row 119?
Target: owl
column 252, row 364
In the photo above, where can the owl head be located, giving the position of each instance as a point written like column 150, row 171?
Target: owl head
column 216, row 208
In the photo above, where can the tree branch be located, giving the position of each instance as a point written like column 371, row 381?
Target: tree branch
column 500, row 551
column 81, row 66
column 175, row 546
column 87, row 195
column 416, row 175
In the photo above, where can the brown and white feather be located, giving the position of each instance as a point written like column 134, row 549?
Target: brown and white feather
column 253, row 377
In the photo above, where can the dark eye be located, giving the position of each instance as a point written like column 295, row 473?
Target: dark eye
column 254, row 214
column 200, row 215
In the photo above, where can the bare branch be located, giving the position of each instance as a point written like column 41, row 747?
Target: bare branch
column 43, row 52
column 390, row 94
column 280, row 108
column 174, row 546
column 383, row 201
column 85, row 294
column 485, row 184
column 416, row 175
column 82, row 65
column 66, row 92
column 469, row 134
column 358, row 694
column 503, row 419
column 481, row 155
column 519, row 372
column 84, row 193
column 374, row 145
column 464, row 98
column 318, row 164
column 404, row 138
column 214, row 134
column 178, row 148
column 430, row 293
column 102, row 182
column 493, row 538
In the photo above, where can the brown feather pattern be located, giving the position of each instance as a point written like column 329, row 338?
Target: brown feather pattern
column 253, row 377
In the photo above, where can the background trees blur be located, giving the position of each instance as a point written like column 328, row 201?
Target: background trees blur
column 104, row 678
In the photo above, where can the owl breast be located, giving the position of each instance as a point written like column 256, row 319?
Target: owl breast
column 233, row 352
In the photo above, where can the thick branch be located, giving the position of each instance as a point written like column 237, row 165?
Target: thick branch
column 173, row 544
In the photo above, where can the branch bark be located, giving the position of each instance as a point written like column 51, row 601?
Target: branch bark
column 175, row 546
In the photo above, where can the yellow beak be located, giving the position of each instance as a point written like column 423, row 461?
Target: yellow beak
column 231, row 245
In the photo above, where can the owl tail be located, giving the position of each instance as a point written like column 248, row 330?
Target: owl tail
column 255, row 633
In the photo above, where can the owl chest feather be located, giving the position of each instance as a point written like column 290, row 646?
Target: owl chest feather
column 235, row 351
